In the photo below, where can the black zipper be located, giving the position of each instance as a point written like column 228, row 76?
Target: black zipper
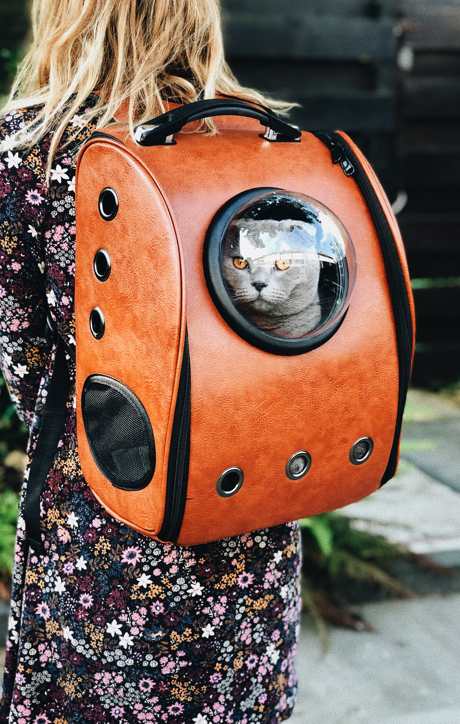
column 179, row 456
column 342, row 153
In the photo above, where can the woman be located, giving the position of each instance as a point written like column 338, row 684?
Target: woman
column 108, row 625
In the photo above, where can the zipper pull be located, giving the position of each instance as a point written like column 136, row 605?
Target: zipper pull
column 338, row 154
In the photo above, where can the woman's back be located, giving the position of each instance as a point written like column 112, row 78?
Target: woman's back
column 110, row 625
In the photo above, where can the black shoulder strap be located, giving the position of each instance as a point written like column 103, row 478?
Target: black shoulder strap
column 48, row 437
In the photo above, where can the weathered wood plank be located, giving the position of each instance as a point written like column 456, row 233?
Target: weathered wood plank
column 438, row 304
column 303, row 36
column 431, row 233
column 438, row 27
column 350, row 8
column 421, row 170
column 428, row 97
column 364, row 112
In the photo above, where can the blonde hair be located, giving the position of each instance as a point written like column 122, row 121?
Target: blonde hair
column 135, row 53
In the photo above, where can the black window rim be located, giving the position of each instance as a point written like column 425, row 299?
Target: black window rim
column 126, row 392
column 221, row 298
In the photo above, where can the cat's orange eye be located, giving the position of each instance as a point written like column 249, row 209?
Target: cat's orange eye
column 240, row 263
column 283, row 264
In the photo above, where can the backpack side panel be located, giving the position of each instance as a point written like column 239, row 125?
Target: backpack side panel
column 253, row 409
column 143, row 303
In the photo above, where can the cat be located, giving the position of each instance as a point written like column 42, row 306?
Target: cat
column 271, row 270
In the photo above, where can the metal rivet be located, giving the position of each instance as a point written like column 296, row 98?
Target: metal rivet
column 298, row 465
column 102, row 265
column 229, row 482
column 361, row 450
column 108, row 204
column 97, row 323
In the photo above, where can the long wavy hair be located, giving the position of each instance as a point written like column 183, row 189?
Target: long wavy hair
column 135, row 53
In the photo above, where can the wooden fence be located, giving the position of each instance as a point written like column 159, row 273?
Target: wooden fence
column 387, row 72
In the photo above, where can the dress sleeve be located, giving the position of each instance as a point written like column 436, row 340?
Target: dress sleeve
column 24, row 347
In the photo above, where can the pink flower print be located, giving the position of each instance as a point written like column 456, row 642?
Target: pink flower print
column 157, row 572
column 118, row 679
column 65, row 300
column 14, row 326
column 176, row 709
column 173, row 570
column 96, row 522
column 117, row 711
column 245, row 579
column 86, row 600
column 16, row 266
column 42, row 719
column 132, row 556
column 43, row 611
column 20, row 678
column 215, row 677
column 275, row 635
column 68, row 568
column 251, row 662
column 262, row 698
column 63, row 534
column 34, row 198
column 157, row 607
column 146, row 685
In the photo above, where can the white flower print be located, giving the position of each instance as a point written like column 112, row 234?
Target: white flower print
column 278, row 556
column 126, row 640
column 81, row 563
column 71, row 185
column 67, row 633
column 208, row 631
column 144, row 581
column 200, row 719
column 196, row 589
column 59, row 585
column 7, row 144
column 13, row 161
column 59, row 173
column 114, row 628
column 33, row 232
column 72, row 520
column 20, row 370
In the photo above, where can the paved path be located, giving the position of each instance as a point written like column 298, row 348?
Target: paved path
column 408, row 672
column 431, row 436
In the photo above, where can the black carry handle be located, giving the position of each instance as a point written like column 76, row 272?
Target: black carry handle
column 156, row 131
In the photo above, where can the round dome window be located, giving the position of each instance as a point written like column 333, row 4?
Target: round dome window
column 280, row 268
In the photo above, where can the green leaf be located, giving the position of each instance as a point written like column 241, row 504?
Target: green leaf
column 322, row 532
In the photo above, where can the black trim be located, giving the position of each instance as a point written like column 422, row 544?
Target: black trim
column 51, row 427
column 342, row 153
column 221, row 298
column 179, row 456
column 156, row 131
column 100, row 134
column 133, row 400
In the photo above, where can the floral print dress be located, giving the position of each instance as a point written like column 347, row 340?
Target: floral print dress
column 108, row 625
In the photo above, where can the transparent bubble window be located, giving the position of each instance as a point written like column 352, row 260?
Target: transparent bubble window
column 281, row 268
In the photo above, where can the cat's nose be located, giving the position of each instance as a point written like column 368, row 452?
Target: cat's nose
column 259, row 285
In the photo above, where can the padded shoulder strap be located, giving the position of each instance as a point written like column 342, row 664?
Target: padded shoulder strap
column 48, row 437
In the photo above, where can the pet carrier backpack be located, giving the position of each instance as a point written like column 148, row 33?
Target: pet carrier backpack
column 244, row 324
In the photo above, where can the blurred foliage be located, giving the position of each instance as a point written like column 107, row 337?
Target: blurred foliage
column 13, row 441
column 14, row 23
column 337, row 555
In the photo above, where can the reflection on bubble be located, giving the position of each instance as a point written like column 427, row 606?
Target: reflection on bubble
column 288, row 264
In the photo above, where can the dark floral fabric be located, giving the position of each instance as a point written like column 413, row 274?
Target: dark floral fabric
column 108, row 625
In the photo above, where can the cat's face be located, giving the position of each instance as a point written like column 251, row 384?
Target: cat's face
column 272, row 270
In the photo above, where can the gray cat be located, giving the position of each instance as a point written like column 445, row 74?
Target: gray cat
column 271, row 269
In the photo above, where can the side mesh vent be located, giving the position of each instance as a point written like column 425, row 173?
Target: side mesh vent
column 119, row 432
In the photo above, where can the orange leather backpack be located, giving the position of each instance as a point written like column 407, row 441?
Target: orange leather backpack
column 244, row 324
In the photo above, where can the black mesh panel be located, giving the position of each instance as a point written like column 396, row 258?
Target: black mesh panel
column 119, row 432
